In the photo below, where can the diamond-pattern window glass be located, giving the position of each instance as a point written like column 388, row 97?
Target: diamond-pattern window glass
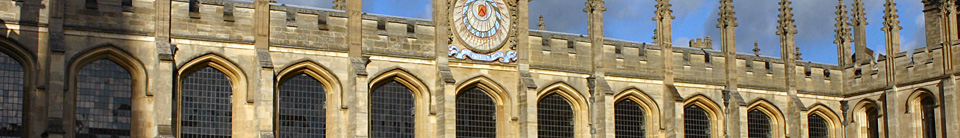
column 302, row 108
column 629, row 118
column 476, row 115
column 554, row 117
column 758, row 124
column 817, row 126
column 696, row 122
column 206, row 110
column 103, row 100
column 392, row 111
column 11, row 97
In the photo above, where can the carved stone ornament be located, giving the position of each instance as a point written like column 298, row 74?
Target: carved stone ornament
column 482, row 25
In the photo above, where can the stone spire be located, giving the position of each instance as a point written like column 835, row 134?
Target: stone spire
column 859, row 23
column 663, row 36
column 787, row 30
column 756, row 48
column 339, row 4
column 541, row 25
column 598, row 87
column 891, row 27
column 727, row 23
column 842, row 35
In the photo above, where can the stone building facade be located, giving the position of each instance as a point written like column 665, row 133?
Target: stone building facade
column 220, row 68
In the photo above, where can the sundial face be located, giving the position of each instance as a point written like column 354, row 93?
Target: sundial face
column 482, row 25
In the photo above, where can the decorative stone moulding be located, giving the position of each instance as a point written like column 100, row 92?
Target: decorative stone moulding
column 503, row 57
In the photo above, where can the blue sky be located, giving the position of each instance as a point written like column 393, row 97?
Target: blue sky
column 632, row 20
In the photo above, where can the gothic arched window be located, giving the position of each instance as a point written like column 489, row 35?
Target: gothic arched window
column 929, row 117
column 104, row 104
column 476, row 115
column 629, row 118
column 392, row 111
column 758, row 124
column 11, row 97
column 817, row 126
column 696, row 122
column 302, row 112
column 554, row 117
column 205, row 108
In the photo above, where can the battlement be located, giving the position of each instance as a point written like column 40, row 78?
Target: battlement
column 569, row 52
column 703, row 43
column 911, row 67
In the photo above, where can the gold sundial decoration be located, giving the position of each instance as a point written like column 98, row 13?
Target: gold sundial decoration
column 483, row 26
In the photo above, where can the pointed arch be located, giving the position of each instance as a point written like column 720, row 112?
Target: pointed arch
column 237, row 79
column 577, row 102
column 492, row 88
column 139, row 96
column 494, row 91
column 331, row 86
column 832, row 119
column 649, row 106
column 420, row 91
column 777, row 122
column 714, row 112
column 922, row 106
column 33, row 125
column 860, row 116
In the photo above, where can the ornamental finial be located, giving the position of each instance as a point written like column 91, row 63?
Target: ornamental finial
column 859, row 17
column 541, row 25
column 339, row 5
column 756, row 48
column 594, row 5
column 786, row 19
column 797, row 51
column 726, row 14
column 663, row 10
column 842, row 25
column 890, row 19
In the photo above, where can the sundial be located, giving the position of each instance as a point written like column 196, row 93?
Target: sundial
column 483, row 26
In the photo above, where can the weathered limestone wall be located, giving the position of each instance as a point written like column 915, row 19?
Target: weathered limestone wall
column 556, row 62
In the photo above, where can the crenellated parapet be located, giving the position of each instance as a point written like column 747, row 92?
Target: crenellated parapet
column 691, row 65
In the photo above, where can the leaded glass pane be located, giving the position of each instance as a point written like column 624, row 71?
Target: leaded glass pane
column 103, row 100
column 11, row 97
column 476, row 115
column 818, row 126
column 929, row 117
column 302, row 108
column 392, row 111
column 758, row 125
column 554, row 117
column 206, row 110
column 696, row 122
column 630, row 121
